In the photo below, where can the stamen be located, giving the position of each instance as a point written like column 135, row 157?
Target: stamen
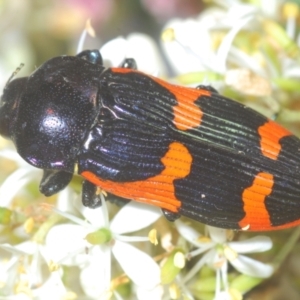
column 87, row 30
column 290, row 13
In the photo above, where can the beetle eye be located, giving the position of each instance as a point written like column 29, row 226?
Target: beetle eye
column 9, row 105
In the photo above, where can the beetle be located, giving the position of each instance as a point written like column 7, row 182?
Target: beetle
column 189, row 151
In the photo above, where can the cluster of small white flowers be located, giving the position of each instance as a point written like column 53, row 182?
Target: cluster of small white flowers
column 35, row 267
column 219, row 252
column 76, row 240
column 240, row 46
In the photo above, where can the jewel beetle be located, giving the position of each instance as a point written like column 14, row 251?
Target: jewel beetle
column 190, row 151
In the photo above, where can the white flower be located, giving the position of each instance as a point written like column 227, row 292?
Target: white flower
column 139, row 46
column 25, row 274
column 95, row 260
column 191, row 49
column 24, row 267
column 204, row 46
column 17, row 180
column 218, row 252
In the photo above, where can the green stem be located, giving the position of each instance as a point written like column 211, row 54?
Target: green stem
column 40, row 235
column 287, row 248
column 288, row 116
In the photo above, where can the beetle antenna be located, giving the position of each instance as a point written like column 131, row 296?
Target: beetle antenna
column 17, row 70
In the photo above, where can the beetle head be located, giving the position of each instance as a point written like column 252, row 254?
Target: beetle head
column 48, row 115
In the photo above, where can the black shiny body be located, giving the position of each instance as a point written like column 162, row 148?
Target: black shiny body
column 51, row 115
column 121, row 127
column 48, row 115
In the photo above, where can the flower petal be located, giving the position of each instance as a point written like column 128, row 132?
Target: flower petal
column 66, row 244
column 218, row 235
column 111, row 51
column 65, row 200
column 255, row 244
column 139, row 46
column 222, row 53
column 53, row 288
column 252, row 267
column 188, row 233
column 156, row 293
column 144, row 50
column 94, row 216
column 14, row 183
column 223, row 295
column 25, row 248
column 183, row 51
column 139, row 266
column 205, row 259
column 95, row 278
column 134, row 216
column 13, row 155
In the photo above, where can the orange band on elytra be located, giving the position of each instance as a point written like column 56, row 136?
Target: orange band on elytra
column 187, row 114
column 270, row 133
column 158, row 190
column 256, row 213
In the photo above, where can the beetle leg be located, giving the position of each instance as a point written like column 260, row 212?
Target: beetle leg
column 90, row 197
column 54, row 181
column 93, row 56
column 119, row 201
column 171, row 216
column 206, row 88
column 129, row 63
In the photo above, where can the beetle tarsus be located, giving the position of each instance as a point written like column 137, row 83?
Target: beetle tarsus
column 93, row 56
column 129, row 63
column 207, row 88
column 119, row 201
column 171, row 216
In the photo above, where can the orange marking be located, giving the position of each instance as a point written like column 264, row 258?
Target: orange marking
column 158, row 190
column 124, row 70
column 270, row 134
column 284, row 226
column 256, row 214
column 187, row 114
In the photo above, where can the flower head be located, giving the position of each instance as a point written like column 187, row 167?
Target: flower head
column 90, row 242
column 217, row 252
